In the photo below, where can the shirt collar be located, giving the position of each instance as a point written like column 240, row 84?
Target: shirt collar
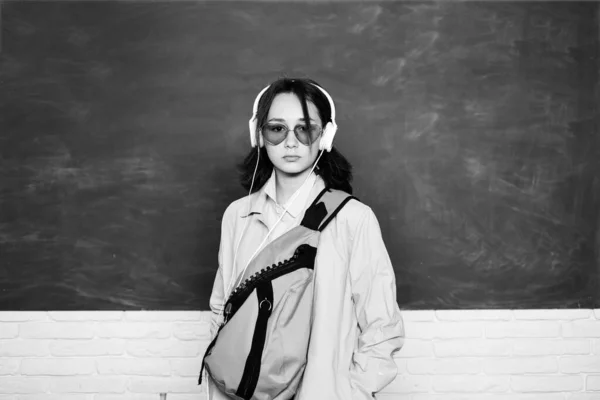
column 299, row 203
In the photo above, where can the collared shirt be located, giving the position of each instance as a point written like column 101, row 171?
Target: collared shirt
column 272, row 210
column 357, row 324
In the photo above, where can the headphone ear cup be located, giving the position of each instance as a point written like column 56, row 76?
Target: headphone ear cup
column 327, row 136
column 254, row 133
column 252, row 130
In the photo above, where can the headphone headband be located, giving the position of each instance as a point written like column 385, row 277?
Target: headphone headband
column 329, row 130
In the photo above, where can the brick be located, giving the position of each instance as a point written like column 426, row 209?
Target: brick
column 592, row 383
column 541, row 347
column 23, row 316
column 473, row 315
column 56, row 330
column 471, row 383
column 585, row 328
column 133, row 366
column 404, row 384
column 548, row 383
column 127, row 396
column 522, row 329
column 133, row 330
column 446, row 330
column 185, row 367
column 23, row 348
column 424, row 366
column 552, row 314
column 579, row 364
column 156, row 316
column 57, row 367
column 479, row 396
column 472, row 347
column 191, row 331
column 92, row 384
column 579, row 396
column 8, row 330
column 520, row 365
column 85, row 315
column 596, row 346
column 416, row 348
column 9, row 366
column 138, row 396
column 13, row 384
column 184, row 385
column 48, row 396
column 164, row 348
column 163, row 385
column 418, row 316
column 597, row 314
column 87, row 348
column 183, row 396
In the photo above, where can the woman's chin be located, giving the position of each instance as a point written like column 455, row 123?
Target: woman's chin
column 292, row 170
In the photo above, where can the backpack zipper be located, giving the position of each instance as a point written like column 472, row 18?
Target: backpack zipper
column 302, row 257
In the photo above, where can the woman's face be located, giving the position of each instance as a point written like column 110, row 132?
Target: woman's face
column 291, row 157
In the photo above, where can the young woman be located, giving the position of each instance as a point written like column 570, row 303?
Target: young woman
column 357, row 326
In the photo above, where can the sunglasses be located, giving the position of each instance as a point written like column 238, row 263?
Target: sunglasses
column 275, row 133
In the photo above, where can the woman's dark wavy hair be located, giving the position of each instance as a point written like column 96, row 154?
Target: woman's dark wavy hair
column 333, row 167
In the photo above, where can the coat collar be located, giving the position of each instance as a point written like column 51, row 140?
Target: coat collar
column 268, row 193
column 297, row 206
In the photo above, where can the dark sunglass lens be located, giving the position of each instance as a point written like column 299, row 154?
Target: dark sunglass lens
column 302, row 134
column 307, row 136
column 275, row 128
column 315, row 131
column 274, row 133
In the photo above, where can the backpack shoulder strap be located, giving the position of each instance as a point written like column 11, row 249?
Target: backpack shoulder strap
column 324, row 208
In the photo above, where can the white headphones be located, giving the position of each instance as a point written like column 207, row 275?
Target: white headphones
column 327, row 136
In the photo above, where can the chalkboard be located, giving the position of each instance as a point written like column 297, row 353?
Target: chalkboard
column 472, row 128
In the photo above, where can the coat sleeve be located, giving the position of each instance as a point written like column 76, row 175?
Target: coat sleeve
column 378, row 315
column 225, row 255
column 218, row 291
column 217, row 297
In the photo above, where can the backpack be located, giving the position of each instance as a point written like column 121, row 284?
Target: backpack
column 260, row 350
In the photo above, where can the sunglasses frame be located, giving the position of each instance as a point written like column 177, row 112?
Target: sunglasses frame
column 287, row 131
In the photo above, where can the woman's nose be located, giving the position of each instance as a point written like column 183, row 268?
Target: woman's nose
column 291, row 140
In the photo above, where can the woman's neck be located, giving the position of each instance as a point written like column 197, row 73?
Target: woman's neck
column 286, row 185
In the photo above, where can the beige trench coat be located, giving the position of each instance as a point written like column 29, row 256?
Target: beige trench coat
column 357, row 324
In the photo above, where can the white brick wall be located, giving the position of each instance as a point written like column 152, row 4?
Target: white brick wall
column 448, row 355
